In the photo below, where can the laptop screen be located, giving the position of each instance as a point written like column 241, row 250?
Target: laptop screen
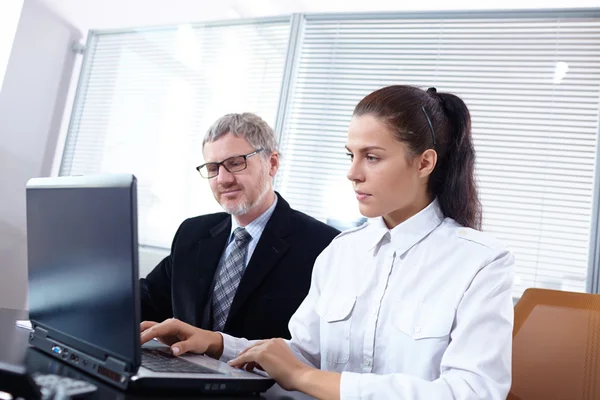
column 82, row 256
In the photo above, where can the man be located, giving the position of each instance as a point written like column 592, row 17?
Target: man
column 246, row 271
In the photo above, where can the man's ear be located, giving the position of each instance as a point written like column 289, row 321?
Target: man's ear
column 273, row 163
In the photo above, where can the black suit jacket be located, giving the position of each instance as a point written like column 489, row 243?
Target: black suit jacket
column 274, row 283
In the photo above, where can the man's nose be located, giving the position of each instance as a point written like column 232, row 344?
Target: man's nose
column 224, row 175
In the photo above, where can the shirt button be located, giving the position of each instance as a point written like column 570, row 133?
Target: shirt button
column 368, row 363
column 417, row 329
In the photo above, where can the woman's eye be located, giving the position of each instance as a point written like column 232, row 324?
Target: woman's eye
column 372, row 158
column 350, row 155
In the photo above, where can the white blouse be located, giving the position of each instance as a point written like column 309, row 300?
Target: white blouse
column 422, row 311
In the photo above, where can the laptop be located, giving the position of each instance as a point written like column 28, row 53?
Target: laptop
column 84, row 299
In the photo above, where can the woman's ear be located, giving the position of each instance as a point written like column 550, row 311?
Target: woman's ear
column 427, row 163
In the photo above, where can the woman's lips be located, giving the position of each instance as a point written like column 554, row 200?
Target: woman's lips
column 361, row 196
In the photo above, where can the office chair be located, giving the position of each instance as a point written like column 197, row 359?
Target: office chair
column 556, row 345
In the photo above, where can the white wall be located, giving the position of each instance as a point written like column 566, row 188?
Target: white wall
column 32, row 102
column 149, row 257
column 10, row 11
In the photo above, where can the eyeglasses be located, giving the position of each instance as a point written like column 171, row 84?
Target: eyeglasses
column 231, row 164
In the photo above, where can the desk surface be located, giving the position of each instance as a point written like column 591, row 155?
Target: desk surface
column 15, row 351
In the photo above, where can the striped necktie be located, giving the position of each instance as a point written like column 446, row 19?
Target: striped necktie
column 229, row 277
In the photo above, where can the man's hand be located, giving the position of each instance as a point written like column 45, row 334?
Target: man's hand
column 182, row 337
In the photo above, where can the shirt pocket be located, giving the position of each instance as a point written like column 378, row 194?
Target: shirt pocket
column 336, row 324
column 424, row 320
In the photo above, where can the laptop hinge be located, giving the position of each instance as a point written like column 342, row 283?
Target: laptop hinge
column 115, row 371
column 39, row 338
column 115, row 365
column 38, row 334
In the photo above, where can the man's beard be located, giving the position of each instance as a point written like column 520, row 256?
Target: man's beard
column 244, row 206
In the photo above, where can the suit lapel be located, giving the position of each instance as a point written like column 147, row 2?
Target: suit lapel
column 210, row 249
column 273, row 244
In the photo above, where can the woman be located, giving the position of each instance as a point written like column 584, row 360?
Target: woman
column 415, row 304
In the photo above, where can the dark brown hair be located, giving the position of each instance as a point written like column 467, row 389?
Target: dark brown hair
column 405, row 110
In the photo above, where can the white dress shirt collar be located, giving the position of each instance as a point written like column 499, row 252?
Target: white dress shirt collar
column 256, row 227
column 407, row 233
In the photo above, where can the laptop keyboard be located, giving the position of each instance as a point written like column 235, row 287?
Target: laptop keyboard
column 160, row 361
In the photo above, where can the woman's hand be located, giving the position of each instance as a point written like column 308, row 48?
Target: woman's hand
column 276, row 358
column 182, row 337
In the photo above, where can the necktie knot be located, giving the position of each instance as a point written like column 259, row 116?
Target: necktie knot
column 241, row 235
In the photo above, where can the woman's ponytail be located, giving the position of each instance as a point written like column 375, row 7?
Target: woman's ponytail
column 453, row 180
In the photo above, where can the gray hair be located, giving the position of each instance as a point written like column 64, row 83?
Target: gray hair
column 247, row 125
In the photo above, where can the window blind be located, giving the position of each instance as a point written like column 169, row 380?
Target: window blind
column 532, row 86
column 146, row 98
